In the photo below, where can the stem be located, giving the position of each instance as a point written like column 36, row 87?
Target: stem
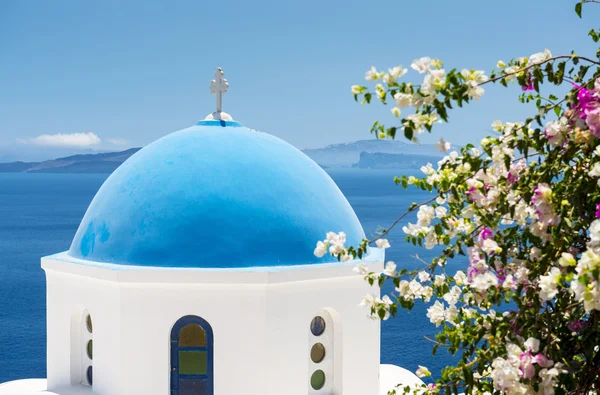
column 538, row 64
column 387, row 230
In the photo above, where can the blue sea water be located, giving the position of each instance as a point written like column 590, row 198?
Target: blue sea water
column 39, row 214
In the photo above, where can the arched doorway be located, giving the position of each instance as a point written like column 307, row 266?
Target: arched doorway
column 191, row 357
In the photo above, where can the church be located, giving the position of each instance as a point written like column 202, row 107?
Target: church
column 193, row 273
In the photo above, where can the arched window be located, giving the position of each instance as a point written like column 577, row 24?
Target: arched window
column 324, row 362
column 191, row 357
column 87, row 350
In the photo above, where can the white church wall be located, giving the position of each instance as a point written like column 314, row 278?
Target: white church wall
column 291, row 308
column 260, row 321
column 235, row 312
column 67, row 297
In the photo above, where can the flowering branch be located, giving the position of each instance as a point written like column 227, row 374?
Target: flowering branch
column 523, row 207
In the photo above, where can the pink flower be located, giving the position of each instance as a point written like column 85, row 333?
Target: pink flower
column 597, row 210
column 526, row 365
column 593, row 120
column 543, row 361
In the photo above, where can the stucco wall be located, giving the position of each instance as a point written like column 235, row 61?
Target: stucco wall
column 260, row 322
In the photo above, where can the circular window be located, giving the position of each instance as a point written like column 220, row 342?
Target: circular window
column 88, row 375
column 89, row 349
column 88, row 323
column 317, row 353
column 317, row 326
column 317, row 380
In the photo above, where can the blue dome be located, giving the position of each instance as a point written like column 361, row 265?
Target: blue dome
column 216, row 195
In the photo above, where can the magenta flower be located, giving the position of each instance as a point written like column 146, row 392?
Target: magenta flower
column 597, row 210
column 577, row 326
column 485, row 234
column 529, row 86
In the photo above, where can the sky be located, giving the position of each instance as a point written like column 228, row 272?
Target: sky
column 79, row 76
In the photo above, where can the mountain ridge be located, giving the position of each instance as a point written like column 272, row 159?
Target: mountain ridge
column 334, row 155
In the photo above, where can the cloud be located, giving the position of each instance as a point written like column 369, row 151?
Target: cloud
column 73, row 140
column 118, row 141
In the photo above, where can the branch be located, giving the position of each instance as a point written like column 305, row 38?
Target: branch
column 387, row 230
column 539, row 64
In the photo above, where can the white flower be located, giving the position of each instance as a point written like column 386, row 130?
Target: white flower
column 549, row 284
column 566, row 260
column 422, row 371
column 390, row 269
column 556, row 131
column 540, row 56
column 425, row 215
column 434, row 81
column 474, row 90
column 423, row 276
column 396, row 112
column 321, row 249
column 402, row 99
column 440, row 212
column 532, row 344
column 491, row 247
column 422, row 65
column 403, row 288
column 451, row 313
column 368, row 300
column 357, row 89
column 443, row 145
column 373, row 74
column 511, row 73
column 431, row 239
column 393, row 74
column 595, row 172
column 382, row 243
column 361, row 269
column 595, row 234
column 460, row 277
column 436, row 313
column 483, row 281
column 453, row 296
column 476, row 76
column 428, row 169
column 336, row 242
column 500, row 64
column 439, row 280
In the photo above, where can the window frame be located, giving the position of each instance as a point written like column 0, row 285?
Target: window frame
column 175, row 348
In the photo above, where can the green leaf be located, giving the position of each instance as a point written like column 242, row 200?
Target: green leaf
column 557, row 110
column 578, row 9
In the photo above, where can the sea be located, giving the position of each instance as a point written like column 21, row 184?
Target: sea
column 39, row 214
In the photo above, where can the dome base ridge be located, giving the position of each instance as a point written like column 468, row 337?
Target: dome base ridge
column 219, row 116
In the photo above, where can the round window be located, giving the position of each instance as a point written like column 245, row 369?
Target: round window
column 317, row 326
column 88, row 323
column 317, row 380
column 89, row 349
column 317, row 352
column 88, row 375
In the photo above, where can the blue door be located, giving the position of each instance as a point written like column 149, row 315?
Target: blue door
column 191, row 357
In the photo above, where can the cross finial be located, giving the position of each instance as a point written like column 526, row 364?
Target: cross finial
column 219, row 86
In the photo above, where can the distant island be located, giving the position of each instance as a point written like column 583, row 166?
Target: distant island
column 349, row 154
column 379, row 160
column 88, row 163
column 375, row 154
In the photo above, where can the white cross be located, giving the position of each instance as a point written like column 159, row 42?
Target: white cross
column 219, row 86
